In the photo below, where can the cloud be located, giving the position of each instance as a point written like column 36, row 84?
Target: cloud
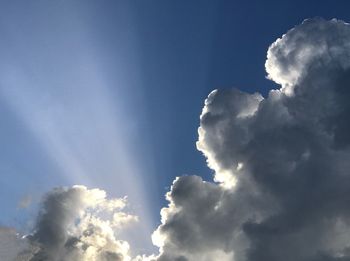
column 70, row 227
column 13, row 247
column 25, row 202
column 77, row 224
column 281, row 186
column 281, row 163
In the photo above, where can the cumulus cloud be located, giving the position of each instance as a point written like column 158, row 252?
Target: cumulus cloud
column 71, row 227
column 281, row 163
column 281, row 186
column 74, row 224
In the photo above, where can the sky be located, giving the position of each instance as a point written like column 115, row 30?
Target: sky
column 110, row 95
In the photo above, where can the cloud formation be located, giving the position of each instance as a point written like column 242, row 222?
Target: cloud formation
column 78, row 224
column 281, row 187
column 281, row 163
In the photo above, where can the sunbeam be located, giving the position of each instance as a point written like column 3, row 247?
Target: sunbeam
column 81, row 121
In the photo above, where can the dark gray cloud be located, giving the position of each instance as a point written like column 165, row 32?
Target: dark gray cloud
column 281, row 163
column 12, row 246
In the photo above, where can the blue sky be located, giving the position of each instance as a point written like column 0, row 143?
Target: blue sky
column 108, row 93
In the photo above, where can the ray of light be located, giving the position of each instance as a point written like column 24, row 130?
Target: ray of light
column 70, row 109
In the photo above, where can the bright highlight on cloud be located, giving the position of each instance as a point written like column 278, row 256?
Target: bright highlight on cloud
column 78, row 224
column 288, row 155
column 281, row 187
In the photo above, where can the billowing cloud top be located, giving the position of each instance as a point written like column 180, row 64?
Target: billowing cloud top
column 78, row 224
column 281, row 163
column 281, row 187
